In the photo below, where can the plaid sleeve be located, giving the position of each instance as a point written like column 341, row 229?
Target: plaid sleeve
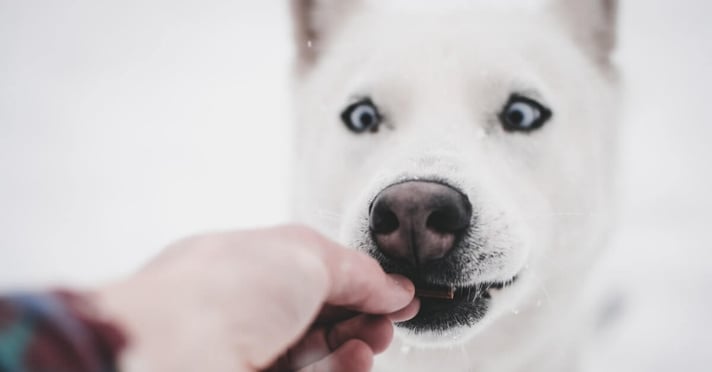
column 55, row 332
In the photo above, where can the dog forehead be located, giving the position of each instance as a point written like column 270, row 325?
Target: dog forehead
column 458, row 4
column 420, row 44
column 412, row 56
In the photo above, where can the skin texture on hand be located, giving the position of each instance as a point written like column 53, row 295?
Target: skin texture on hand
column 277, row 299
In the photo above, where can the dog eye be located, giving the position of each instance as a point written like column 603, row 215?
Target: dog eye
column 361, row 116
column 522, row 114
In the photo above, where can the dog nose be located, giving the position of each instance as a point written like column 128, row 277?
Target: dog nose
column 418, row 222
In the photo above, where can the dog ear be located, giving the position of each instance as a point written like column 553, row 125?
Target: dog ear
column 313, row 20
column 593, row 23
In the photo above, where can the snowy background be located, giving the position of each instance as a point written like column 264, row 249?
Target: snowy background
column 127, row 124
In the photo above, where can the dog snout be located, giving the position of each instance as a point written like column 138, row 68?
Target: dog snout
column 417, row 222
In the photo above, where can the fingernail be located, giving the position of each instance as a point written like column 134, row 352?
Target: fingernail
column 403, row 282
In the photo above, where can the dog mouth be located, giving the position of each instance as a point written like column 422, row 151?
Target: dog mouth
column 429, row 232
column 443, row 308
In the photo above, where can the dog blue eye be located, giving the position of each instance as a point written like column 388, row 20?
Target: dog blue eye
column 522, row 114
column 361, row 116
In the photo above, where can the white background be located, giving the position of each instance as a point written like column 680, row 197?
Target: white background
column 125, row 125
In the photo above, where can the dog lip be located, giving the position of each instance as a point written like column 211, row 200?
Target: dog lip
column 502, row 284
column 484, row 288
column 469, row 293
column 460, row 290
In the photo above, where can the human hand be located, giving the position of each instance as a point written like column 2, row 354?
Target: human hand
column 275, row 299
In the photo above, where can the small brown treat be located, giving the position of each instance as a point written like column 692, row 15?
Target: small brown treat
column 438, row 294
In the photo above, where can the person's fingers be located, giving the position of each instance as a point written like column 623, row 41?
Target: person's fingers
column 358, row 282
column 406, row 313
column 375, row 331
column 311, row 348
column 353, row 356
column 354, row 279
column 333, row 314
column 306, row 271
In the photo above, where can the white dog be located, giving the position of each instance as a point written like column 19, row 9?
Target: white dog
column 466, row 145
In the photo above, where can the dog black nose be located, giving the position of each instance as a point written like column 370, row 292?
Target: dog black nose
column 419, row 221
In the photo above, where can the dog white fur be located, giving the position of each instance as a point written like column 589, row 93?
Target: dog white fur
column 441, row 71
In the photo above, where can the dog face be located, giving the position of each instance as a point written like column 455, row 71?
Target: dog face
column 463, row 144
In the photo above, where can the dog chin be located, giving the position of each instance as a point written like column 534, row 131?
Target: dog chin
column 442, row 323
column 437, row 339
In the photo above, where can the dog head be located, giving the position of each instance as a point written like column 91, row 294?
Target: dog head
column 464, row 144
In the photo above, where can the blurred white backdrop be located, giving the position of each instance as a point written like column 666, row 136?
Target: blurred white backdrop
column 126, row 125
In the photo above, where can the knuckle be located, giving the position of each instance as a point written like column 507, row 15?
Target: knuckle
column 310, row 266
column 303, row 233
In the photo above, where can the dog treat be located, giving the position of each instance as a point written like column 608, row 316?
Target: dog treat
column 438, row 294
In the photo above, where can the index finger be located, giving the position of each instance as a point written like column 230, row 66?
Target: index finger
column 357, row 282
